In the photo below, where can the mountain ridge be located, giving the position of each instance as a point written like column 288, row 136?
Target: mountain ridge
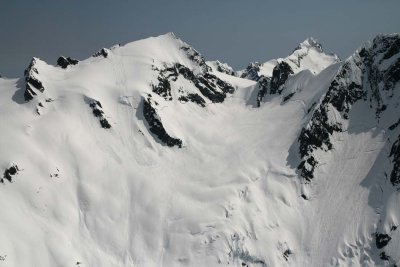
column 146, row 154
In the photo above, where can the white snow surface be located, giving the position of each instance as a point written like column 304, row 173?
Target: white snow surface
column 88, row 196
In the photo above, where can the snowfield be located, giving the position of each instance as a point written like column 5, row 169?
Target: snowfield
column 147, row 155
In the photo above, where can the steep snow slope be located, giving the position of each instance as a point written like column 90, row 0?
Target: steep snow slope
column 144, row 155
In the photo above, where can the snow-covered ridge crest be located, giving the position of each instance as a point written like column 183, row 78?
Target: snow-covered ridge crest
column 307, row 55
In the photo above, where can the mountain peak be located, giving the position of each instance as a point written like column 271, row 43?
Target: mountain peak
column 307, row 55
column 310, row 42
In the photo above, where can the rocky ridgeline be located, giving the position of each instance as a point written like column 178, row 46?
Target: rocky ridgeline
column 64, row 62
column 32, row 83
column 104, row 52
column 196, row 57
column 369, row 75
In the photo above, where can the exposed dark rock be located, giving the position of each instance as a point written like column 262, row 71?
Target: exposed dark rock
column 223, row 68
column 29, row 93
column 390, row 45
column 280, row 74
column 98, row 112
column 264, row 83
column 307, row 167
column 311, row 107
column 208, row 84
column 155, row 125
column 35, row 83
column 32, row 83
column 65, row 62
column 273, row 85
column 289, row 96
column 195, row 98
column 316, row 135
column 103, row 52
column 213, row 88
column 395, row 155
column 317, row 132
column 384, row 257
column 251, row 72
column 392, row 75
column 163, row 88
column 9, row 173
column 286, row 254
column 381, row 240
column 196, row 57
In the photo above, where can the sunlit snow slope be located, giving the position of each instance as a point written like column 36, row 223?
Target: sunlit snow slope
column 147, row 155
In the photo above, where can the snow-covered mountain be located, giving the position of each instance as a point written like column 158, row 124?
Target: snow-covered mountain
column 147, row 155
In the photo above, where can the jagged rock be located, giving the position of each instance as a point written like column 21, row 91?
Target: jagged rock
column 8, row 173
column 280, row 74
column 287, row 97
column 395, row 155
column 65, row 62
column 155, row 125
column 383, row 256
column 208, row 84
column 98, row 112
column 195, row 98
column 251, row 72
column 196, row 57
column 263, row 84
column 31, row 82
column 163, row 88
column 221, row 67
column 381, row 240
column 273, row 85
column 213, row 88
column 286, row 254
column 103, row 52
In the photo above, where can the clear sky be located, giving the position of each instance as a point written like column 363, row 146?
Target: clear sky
column 233, row 31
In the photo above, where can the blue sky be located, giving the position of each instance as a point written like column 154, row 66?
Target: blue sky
column 233, row 31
